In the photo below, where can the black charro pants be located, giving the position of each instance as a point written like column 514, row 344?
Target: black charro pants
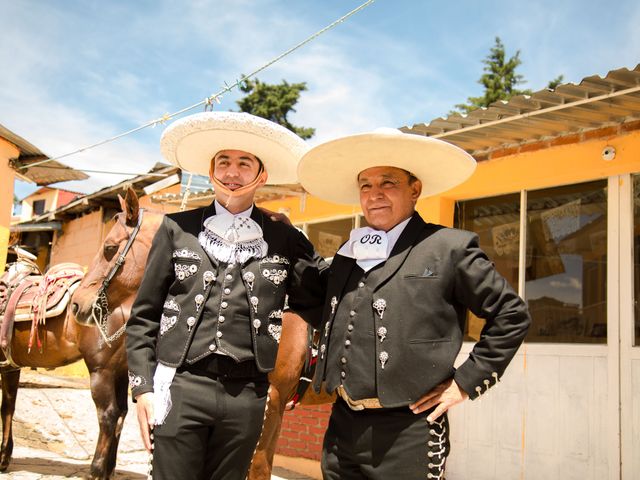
column 384, row 444
column 212, row 428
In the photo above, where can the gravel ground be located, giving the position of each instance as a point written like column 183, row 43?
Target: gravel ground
column 55, row 429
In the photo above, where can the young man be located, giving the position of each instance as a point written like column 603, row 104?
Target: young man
column 205, row 326
column 396, row 308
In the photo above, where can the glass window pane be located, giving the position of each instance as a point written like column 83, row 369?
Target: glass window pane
column 38, row 207
column 636, row 256
column 496, row 220
column 327, row 237
column 566, row 263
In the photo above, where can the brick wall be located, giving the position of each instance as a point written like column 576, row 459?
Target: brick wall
column 303, row 430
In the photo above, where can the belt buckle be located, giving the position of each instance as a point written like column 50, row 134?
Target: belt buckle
column 357, row 405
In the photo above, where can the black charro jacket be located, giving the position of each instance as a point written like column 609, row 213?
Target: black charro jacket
column 433, row 275
column 171, row 305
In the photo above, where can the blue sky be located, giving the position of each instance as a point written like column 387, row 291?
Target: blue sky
column 77, row 72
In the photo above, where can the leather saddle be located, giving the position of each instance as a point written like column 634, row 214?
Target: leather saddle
column 38, row 297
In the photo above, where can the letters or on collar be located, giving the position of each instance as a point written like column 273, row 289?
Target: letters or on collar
column 371, row 247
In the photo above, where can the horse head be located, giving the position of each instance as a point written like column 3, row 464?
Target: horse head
column 112, row 280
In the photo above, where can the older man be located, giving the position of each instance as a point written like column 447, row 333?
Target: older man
column 205, row 326
column 396, row 306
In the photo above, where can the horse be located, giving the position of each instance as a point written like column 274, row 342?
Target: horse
column 101, row 305
column 106, row 295
column 34, row 315
column 63, row 340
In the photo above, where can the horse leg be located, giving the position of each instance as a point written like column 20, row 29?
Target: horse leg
column 10, row 381
column 109, row 392
column 284, row 379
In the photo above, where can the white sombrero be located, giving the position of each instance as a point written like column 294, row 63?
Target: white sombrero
column 191, row 142
column 330, row 170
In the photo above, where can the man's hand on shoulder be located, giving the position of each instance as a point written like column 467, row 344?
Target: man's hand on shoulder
column 443, row 397
column 276, row 217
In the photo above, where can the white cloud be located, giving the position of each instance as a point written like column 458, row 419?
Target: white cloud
column 571, row 283
column 93, row 70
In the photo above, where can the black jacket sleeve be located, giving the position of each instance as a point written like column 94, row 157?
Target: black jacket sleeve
column 479, row 287
column 144, row 323
column 309, row 283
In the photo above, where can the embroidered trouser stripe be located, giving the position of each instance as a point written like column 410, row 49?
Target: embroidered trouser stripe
column 382, row 444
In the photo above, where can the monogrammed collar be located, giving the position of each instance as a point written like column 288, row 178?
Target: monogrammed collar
column 371, row 247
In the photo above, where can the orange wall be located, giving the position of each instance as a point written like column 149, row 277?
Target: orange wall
column 554, row 166
column 7, row 175
column 79, row 240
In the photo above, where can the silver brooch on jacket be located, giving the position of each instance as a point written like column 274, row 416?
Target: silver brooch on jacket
column 380, row 305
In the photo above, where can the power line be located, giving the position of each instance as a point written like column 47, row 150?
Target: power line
column 208, row 102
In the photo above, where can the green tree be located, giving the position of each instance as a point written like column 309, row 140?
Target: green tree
column 499, row 80
column 553, row 84
column 273, row 102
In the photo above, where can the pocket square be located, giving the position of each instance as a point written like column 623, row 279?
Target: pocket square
column 428, row 273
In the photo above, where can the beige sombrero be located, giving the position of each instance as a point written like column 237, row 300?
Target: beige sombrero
column 330, row 170
column 191, row 142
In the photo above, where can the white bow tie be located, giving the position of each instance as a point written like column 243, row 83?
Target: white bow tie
column 368, row 246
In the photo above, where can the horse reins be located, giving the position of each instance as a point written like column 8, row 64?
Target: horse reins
column 100, row 306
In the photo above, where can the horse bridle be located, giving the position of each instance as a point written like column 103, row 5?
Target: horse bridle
column 100, row 306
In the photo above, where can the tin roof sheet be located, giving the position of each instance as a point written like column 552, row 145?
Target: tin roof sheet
column 595, row 102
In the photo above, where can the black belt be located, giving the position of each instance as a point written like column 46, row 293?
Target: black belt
column 223, row 366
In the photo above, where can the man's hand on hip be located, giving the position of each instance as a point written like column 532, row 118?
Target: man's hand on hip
column 443, row 397
column 144, row 409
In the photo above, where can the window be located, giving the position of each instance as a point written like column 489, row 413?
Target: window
column 496, row 220
column 38, row 207
column 565, row 261
column 327, row 237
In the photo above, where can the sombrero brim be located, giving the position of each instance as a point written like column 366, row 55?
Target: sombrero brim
column 191, row 142
column 330, row 170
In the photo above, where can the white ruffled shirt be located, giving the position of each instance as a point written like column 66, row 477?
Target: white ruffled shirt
column 232, row 238
column 371, row 247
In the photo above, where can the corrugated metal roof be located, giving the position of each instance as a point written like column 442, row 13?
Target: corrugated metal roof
column 107, row 196
column 596, row 102
column 45, row 174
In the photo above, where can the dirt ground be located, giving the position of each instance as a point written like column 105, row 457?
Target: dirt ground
column 55, row 429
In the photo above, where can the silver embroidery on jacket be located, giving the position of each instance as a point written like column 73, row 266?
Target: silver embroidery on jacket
column 166, row 323
column 275, row 331
column 185, row 270
column 135, row 380
column 186, row 253
column 274, row 275
column 276, row 259
column 171, row 304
